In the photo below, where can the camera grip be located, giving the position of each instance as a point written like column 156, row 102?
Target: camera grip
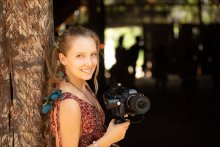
column 119, row 120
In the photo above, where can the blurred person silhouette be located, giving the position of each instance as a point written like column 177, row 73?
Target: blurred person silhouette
column 215, row 60
column 119, row 71
column 133, row 56
column 189, row 83
column 188, row 61
column 160, row 67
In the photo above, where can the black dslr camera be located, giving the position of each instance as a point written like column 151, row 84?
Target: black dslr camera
column 125, row 103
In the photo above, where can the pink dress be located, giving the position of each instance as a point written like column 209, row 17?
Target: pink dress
column 92, row 121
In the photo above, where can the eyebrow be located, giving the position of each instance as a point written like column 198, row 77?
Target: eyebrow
column 86, row 52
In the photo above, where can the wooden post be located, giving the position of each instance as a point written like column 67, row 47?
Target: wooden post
column 27, row 32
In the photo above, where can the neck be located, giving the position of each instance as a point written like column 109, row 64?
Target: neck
column 81, row 84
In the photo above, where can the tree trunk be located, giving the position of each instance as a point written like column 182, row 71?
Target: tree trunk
column 5, row 96
column 26, row 31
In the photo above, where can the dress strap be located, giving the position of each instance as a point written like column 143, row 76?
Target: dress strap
column 58, row 123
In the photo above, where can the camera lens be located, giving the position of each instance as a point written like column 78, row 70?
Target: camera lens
column 138, row 103
column 142, row 104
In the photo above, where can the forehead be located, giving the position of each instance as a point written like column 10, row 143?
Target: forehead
column 82, row 44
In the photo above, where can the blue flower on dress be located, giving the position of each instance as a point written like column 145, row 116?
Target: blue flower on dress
column 50, row 100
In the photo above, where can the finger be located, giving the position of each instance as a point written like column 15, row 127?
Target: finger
column 112, row 122
column 126, row 124
column 126, row 128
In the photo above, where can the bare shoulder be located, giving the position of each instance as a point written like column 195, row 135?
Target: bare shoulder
column 69, row 106
column 70, row 122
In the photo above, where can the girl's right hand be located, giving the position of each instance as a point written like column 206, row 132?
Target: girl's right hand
column 116, row 132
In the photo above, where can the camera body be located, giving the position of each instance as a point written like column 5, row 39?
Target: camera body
column 125, row 102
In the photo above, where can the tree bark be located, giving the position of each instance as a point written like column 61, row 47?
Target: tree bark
column 28, row 33
column 5, row 96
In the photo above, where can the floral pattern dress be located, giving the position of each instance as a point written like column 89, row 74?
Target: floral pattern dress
column 92, row 120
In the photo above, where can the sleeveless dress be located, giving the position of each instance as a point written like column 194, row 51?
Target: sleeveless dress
column 92, row 127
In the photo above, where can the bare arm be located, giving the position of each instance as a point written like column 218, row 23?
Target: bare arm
column 70, row 123
column 114, row 133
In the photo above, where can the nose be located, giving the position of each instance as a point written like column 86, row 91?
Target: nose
column 88, row 61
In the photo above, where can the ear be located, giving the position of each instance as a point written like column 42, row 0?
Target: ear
column 62, row 59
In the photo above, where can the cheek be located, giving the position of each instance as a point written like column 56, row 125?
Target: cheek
column 95, row 60
column 73, row 64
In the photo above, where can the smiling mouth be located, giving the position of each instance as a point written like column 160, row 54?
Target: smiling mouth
column 88, row 71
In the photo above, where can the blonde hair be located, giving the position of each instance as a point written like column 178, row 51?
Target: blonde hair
column 52, row 61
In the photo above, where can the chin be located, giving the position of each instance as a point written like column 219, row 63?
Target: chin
column 88, row 77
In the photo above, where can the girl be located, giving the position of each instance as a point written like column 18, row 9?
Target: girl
column 76, row 116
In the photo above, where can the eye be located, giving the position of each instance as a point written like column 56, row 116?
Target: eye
column 79, row 56
column 94, row 54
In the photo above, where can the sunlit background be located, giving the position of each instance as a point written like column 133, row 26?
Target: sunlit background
column 135, row 14
column 111, row 42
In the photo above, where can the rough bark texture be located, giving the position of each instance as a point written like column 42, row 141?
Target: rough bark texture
column 26, row 30
column 5, row 96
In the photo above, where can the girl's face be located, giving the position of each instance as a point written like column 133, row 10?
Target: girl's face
column 81, row 59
